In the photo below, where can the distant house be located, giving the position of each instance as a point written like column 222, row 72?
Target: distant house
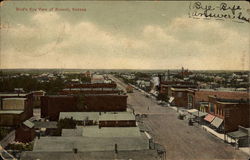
column 97, row 79
column 25, row 133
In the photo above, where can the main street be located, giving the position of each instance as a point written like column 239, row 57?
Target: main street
column 180, row 140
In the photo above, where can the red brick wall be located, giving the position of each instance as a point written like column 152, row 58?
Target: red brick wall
column 53, row 105
column 180, row 98
column 235, row 116
column 24, row 134
column 68, row 92
column 106, row 103
column 93, row 85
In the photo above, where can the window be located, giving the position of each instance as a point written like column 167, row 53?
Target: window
column 211, row 107
column 179, row 94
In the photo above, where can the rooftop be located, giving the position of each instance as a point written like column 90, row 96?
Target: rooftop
column 17, row 98
column 95, row 116
column 95, row 131
column 117, row 116
column 10, row 112
column 66, row 144
column 12, row 94
column 133, row 155
column 203, row 95
column 50, row 124
column 80, row 116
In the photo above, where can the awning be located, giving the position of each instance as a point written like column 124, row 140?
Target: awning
column 199, row 114
column 171, row 99
column 192, row 110
column 237, row 134
column 217, row 122
column 209, row 118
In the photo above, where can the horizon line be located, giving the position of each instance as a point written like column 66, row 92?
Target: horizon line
column 120, row 69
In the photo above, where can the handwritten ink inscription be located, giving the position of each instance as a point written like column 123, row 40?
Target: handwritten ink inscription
column 220, row 11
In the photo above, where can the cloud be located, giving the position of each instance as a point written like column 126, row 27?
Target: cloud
column 52, row 42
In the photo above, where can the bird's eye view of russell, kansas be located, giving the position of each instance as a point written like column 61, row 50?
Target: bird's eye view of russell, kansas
column 124, row 80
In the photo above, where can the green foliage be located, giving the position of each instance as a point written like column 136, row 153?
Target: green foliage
column 20, row 146
column 4, row 132
column 66, row 123
column 163, row 97
column 30, row 84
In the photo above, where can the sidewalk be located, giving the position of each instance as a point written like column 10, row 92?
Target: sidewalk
column 219, row 135
column 245, row 150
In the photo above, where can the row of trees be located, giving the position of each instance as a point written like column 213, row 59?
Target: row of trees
column 30, row 84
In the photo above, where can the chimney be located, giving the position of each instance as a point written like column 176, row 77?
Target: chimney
column 116, row 150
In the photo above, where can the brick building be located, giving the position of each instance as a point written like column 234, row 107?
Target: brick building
column 117, row 120
column 179, row 97
column 92, row 85
column 28, row 96
column 25, row 133
column 229, row 112
column 14, row 111
column 197, row 97
column 165, row 87
column 89, row 88
column 37, row 98
column 53, row 105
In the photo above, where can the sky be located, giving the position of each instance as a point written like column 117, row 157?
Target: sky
column 120, row 35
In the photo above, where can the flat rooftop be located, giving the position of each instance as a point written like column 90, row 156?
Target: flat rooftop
column 105, row 132
column 84, row 144
column 80, row 116
column 125, row 155
column 10, row 112
column 50, row 124
column 12, row 94
column 95, row 131
column 117, row 116
column 16, row 98
column 97, row 116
